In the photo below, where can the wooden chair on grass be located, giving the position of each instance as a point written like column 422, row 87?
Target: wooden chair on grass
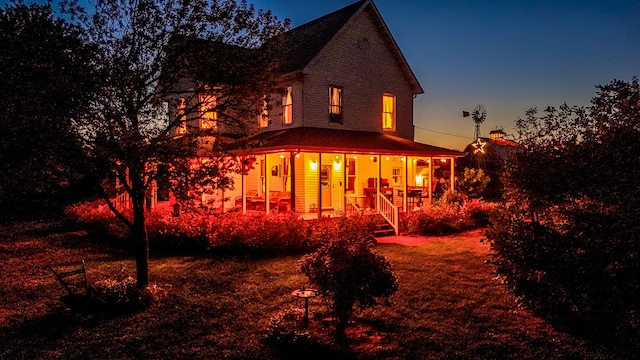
column 80, row 294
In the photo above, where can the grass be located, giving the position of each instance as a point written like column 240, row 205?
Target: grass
column 448, row 306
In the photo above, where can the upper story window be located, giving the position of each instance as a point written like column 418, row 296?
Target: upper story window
column 335, row 104
column 208, row 117
column 388, row 112
column 263, row 117
column 287, row 106
column 181, row 127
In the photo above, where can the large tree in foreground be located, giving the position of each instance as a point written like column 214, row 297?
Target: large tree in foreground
column 567, row 239
column 43, row 72
column 154, row 56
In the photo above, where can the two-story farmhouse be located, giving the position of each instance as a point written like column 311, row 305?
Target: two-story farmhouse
column 340, row 136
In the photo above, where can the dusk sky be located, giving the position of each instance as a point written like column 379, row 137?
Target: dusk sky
column 506, row 55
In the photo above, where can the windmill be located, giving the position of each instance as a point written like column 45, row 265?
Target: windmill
column 478, row 115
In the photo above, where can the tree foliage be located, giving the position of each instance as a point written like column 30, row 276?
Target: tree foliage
column 566, row 240
column 44, row 72
column 348, row 270
column 152, row 55
column 473, row 181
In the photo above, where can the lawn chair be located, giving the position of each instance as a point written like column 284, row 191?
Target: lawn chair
column 79, row 293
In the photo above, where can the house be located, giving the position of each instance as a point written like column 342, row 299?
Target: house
column 340, row 135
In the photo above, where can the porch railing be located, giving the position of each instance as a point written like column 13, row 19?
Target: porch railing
column 352, row 209
column 390, row 212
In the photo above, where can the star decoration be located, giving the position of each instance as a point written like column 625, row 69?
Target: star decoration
column 479, row 146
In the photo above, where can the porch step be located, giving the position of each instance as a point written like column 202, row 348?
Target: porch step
column 384, row 229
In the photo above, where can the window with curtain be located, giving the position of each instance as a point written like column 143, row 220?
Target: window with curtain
column 388, row 112
column 287, row 106
column 208, row 117
column 181, row 127
column 335, row 104
column 263, row 118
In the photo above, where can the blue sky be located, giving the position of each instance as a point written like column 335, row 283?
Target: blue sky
column 507, row 55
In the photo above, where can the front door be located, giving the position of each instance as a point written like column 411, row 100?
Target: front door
column 326, row 186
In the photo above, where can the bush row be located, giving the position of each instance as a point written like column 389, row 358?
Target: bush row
column 446, row 218
column 284, row 233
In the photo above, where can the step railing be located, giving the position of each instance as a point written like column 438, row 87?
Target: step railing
column 390, row 212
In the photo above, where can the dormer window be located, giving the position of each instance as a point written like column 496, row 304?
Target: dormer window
column 181, row 127
column 335, row 104
column 208, row 117
column 388, row 112
column 287, row 106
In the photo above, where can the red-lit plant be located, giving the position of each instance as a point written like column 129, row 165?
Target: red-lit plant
column 349, row 271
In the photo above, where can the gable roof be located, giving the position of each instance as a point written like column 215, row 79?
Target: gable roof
column 303, row 44
column 309, row 139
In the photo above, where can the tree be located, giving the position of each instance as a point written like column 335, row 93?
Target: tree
column 348, row 270
column 566, row 240
column 153, row 56
column 43, row 67
column 473, row 181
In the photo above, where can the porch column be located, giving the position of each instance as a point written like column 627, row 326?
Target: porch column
column 431, row 180
column 266, row 183
column 319, row 185
column 406, row 183
column 378, row 183
column 344, row 183
column 452, row 177
column 244, row 192
column 292, row 173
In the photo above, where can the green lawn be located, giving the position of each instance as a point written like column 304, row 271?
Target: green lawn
column 447, row 306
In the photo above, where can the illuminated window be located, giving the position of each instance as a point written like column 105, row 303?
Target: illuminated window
column 351, row 175
column 263, row 118
column 388, row 112
column 287, row 111
column 335, row 104
column 396, row 176
column 181, row 128
column 208, row 117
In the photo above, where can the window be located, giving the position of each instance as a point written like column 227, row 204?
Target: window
column 287, row 113
column 181, row 127
column 388, row 112
column 335, row 104
column 208, row 117
column 396, row 176
column 263, row 118
column 351, row 175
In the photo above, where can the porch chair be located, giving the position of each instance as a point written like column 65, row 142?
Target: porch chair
column 282, row 202
column 249, row 195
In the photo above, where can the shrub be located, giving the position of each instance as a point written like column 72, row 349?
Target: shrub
column 98, row 218
column 566, row 240
column 177, row 234
column 123, row 296
column 260, row 233
column 348, row 270
column 445, row 219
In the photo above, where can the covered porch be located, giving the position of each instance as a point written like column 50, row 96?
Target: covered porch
column 323, row 172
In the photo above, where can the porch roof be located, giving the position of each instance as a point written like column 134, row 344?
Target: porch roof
column 311, row 139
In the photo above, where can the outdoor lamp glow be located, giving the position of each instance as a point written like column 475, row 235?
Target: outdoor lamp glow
column 313, row 165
